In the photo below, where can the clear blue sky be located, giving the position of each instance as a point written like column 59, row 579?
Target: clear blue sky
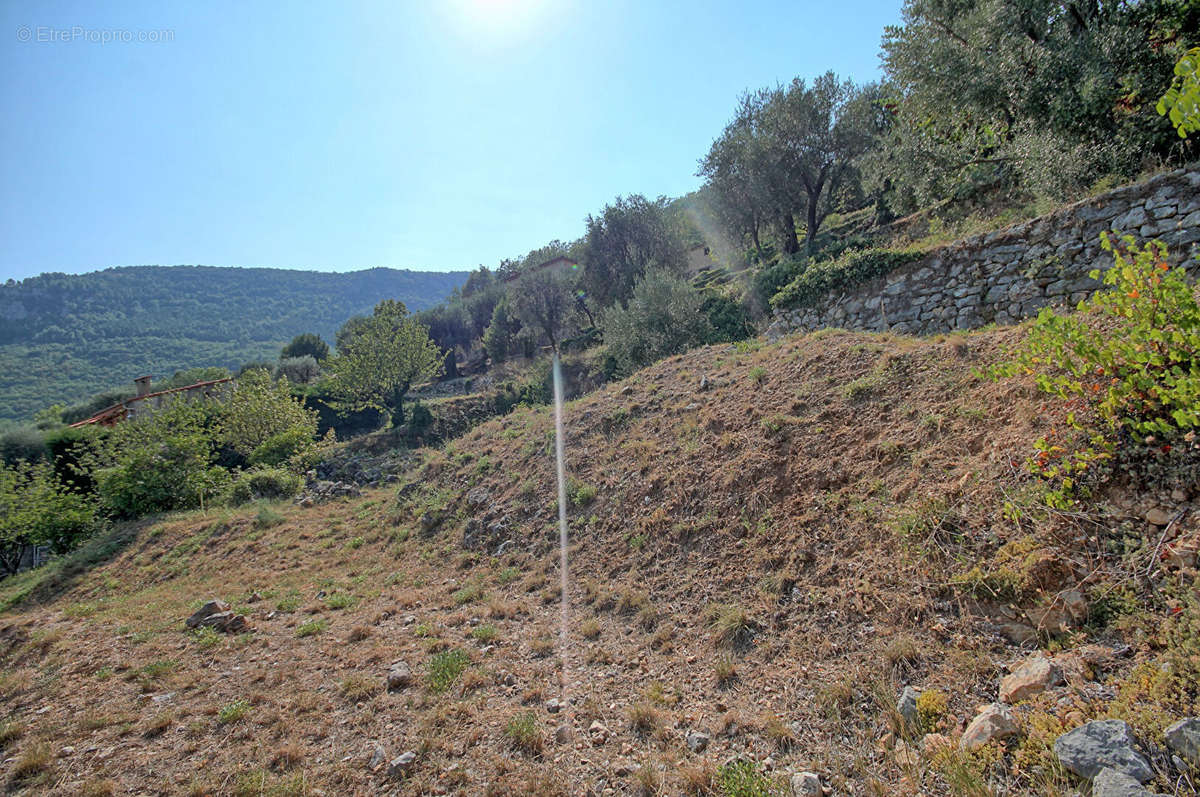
column 436, row 135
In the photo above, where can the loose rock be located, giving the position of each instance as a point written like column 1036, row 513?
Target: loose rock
column 1032, row 677
column 399, row 676
column 207, row 610
column 697, row 741
column 907, row 706
column 402, row 764
column 1184, row 738
column 1111, row 783
column 993, row 723
column 1102, row 743
column 597, row 732
column 806, row 784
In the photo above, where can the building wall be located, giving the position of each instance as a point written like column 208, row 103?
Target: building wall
column 1010, row 274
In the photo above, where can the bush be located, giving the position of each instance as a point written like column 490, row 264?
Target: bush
column 260, row 409
column 729, row 320
column 22, row 444
column 282, row 447
column 662, row 317
column 305, row 345
column 771, row 279
column 1127, row 366
column 36, row 509
column 270, row 484
column 161, row 461
column 847, row 270
column 71, row 450
column 420, row 421
column 298, row 370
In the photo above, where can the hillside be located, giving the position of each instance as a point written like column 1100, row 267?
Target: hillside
column 760, row 563
column 64, row 337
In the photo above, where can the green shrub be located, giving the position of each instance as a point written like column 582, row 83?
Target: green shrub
column 741, row 778
column 22, row 444
column 1128, row 367
column 36, row 509
column 847, row 270
column 271, row 484
column 298, row 370
column 770, row 280
column 524, row 734
column 662, row 317
column 160, row 461
column 727, row 319
column 260, row 409
column 420, row 420
column 282, row 447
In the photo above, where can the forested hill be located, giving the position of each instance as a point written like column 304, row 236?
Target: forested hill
column 63, row 337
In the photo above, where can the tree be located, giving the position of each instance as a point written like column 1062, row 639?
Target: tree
column 788, row 151
column 36, row 509
column 386, row 354
column 1181, row 103
column 543, row 300
column 307, row 344
column 662, row 317
column 499, row 339
column 261, row 409
column 1042, row 94
column 629, row 236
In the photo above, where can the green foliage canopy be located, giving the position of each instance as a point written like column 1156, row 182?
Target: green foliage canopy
column 1181, row 103
column 388, row 352
column 662, row 317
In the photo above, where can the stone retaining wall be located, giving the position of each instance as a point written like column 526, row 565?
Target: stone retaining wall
column 1010, row 274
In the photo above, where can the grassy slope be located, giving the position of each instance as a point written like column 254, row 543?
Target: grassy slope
column 864, row 471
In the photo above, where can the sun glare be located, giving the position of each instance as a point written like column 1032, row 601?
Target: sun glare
column 498, row 16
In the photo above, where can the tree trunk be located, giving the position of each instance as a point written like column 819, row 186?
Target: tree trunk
column 791, row 244
column 811, row 233
column 757, row 244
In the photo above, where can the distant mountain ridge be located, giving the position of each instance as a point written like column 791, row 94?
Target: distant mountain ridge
column 65, row 336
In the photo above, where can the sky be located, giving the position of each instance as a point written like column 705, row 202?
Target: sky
column 434, row 135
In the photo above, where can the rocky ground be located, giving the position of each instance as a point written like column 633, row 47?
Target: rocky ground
column 812, row 567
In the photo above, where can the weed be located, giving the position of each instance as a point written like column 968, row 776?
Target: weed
column 233, row 712
column 524, row 734
column 311, row 628
column 758, row 374
column 158, row 725
column 725, row 668
column 358, row 633
column 355, row 543
column 206, row 637
column 468, row 594
column 507, row 576
column 780, row 734
column 903, row 651
column 445, row 667
column 289, row 602
column 356, row 687
column 580, row 494
column 485, row 633
column 590, row 629
column 541, row 647
column 340, row 600
column 732, row 626
column 35, row 760
column 741, row 778
column 932, row 705
column 267, row 517
column 10, row 732
column 644, row 718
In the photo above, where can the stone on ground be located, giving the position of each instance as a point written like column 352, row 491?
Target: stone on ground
column 806, row 784
column 1102, row 744
column 1184, row 738
column 1031, row 677
column 992, row 724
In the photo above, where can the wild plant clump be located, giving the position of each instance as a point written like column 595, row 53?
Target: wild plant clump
column 1128, row 367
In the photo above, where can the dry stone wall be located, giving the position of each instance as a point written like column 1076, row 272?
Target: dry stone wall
column 1010, row 274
